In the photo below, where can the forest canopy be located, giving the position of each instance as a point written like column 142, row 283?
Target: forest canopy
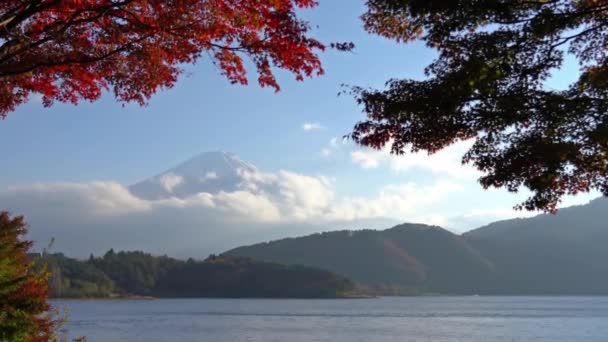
column 117, row 274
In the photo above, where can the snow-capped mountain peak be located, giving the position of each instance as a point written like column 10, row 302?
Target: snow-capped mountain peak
column 206, row 172
column 219, row 162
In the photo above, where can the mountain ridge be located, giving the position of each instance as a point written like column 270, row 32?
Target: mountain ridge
column 394, row 257
column 546, row 254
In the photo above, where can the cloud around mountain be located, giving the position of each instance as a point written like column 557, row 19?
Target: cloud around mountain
column 204, row 203
column 217, row 201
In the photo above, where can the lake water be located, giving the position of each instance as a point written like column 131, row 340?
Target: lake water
column 385, row 319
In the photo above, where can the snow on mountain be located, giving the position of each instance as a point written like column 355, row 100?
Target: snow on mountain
column 209, row 172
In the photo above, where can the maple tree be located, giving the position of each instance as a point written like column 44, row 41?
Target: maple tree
column 72, row 50
column 489, row 84
column 25, row 314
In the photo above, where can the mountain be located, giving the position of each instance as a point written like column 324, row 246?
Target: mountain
column 564, row 253
column 549, row 254
column 579, row 222
column 207, row 204
column 411, row 256
column 209, row 172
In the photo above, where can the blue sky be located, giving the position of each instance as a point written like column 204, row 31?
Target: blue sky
column 204, row 112
column 108, row 141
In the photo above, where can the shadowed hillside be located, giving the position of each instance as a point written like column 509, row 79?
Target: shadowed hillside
column 407, row 256
column 564, row 253
column 547, row 254
column 142, row 274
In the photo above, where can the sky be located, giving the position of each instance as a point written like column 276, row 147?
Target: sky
column 298, row 130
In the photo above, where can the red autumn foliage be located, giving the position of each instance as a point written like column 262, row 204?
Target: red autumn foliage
column 73, row 50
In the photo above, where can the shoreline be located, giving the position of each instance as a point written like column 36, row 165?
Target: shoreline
column 150, row 298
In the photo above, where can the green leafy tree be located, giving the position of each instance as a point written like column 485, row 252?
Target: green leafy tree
column 24, row 311
column 489, row 84
column 75, row 278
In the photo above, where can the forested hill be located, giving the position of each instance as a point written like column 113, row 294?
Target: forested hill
column 548, row 254
column 141, row 274
column 564, row 253
column 409, row 256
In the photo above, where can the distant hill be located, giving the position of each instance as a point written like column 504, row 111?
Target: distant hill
column 565, row 253
column 576, row 223
column 547, row 254
column 141, row 274
column 406, row 256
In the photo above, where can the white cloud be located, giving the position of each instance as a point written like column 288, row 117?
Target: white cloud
column 169, row 181
column 96, row 216
column 368, row 159
column 57, row 199
column 335, row 145
column 249, row 206
column 299, row 197
column 312, row 126
column 445, row 162
column 400, row 201
column 266, row 197
column 304, row 197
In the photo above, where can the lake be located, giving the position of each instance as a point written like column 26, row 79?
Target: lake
column 342, row 320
